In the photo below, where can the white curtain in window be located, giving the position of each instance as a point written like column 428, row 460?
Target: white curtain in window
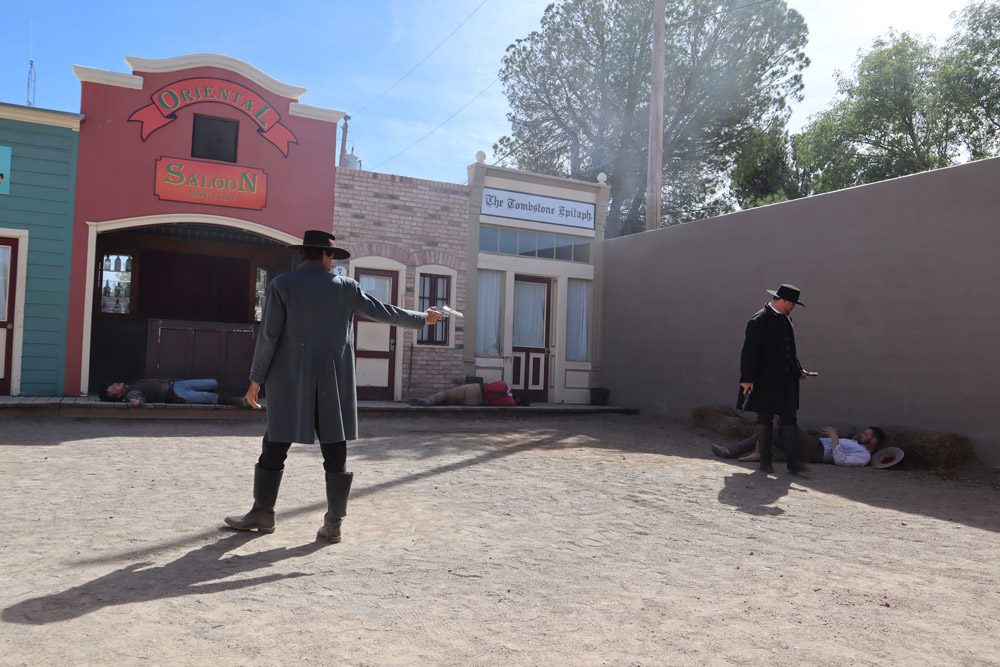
column 577, row 317
column 529, row 315
column 488, row 293
column 4, row 281
column 379, row 287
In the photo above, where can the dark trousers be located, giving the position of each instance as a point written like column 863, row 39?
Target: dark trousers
column 789, row 438
column 788, row 418
column 273, row 454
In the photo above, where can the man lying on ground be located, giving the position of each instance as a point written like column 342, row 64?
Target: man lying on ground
column 476, row 393
column 833, row 449
column 152, row 390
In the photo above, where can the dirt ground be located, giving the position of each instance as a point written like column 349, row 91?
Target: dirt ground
column 557, row 540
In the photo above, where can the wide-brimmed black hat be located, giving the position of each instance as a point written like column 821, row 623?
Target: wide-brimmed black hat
column 317, row 238
column 788, row 293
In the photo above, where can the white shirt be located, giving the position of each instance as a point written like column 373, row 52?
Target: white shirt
column 848, row 452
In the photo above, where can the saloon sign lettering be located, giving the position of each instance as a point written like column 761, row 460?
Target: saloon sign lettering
column 198, row 182
column 167, row 101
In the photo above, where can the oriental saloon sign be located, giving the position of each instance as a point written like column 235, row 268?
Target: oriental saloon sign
column 167, row 101
column 538, row 208
column 197, row 182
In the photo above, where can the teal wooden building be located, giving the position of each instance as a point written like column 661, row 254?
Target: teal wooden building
column 38, row 159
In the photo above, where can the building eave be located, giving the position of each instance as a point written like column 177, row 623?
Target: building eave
column 218, row 61
column 41, row 116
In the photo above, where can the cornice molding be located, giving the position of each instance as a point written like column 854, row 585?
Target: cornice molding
column 41, row 116
column 161, row 65
column 316, row 113
column 91, row 75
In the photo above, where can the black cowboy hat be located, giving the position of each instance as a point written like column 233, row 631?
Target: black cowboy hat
column 317, row 238
column 788, row 293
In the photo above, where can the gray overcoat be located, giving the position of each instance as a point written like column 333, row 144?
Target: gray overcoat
column 305, row 353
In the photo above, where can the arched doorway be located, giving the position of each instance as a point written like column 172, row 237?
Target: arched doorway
column 178, row 298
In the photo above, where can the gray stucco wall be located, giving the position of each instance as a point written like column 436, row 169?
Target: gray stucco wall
column 901, row 282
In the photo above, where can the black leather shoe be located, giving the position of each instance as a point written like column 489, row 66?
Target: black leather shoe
column 799, row 470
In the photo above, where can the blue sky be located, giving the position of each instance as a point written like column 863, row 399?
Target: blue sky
column 347, row 54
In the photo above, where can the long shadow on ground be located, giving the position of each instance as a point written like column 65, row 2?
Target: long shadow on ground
column 198, row 572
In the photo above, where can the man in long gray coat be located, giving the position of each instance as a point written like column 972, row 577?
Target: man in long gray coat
column 305, row 358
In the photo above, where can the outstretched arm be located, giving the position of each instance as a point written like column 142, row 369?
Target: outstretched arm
column 374, row 309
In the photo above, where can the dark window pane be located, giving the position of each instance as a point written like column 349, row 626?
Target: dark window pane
column 425, row 293
column 488, row 239
column 581, row 252
column 434, row 291
column 527, row 242
column 564, row 247
column 547, row 245
column 214, row 138
column 508, row 241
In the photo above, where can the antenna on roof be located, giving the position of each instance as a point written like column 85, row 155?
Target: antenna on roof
column 31, row 64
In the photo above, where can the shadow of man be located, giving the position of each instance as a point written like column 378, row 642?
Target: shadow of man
column 754, row 493
column 198, row 572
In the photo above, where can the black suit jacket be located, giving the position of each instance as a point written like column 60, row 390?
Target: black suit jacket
column 770, row 361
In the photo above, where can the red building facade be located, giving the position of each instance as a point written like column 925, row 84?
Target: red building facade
column 194, row 175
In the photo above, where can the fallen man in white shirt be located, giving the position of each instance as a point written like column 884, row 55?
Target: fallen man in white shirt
column 832, row 448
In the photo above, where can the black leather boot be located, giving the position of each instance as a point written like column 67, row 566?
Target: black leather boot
column 265, row 495
column 790, row 443
column 764, row 437
column 338, row 487
column 742, row 447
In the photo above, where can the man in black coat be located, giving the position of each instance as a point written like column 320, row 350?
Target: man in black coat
column 769, row 376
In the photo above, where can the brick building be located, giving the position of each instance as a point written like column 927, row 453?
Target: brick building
column 409, row 241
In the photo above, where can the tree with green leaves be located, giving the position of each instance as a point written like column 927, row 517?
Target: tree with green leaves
column 970, row 76
column 891, row 119
column 763, row 173
column 579, row 91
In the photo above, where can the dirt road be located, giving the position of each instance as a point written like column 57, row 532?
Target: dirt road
column 599, row 540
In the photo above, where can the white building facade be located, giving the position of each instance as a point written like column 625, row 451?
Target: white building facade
column 533, row 300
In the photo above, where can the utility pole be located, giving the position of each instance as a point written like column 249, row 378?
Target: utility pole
column 654, row 175
column 31, row 65
column 343, row 140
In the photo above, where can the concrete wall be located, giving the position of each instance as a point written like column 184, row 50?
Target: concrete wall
column 901, row 282
column 415, row 223
column 42, row 187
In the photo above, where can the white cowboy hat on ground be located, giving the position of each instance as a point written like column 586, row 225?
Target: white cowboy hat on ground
column 887, row 457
